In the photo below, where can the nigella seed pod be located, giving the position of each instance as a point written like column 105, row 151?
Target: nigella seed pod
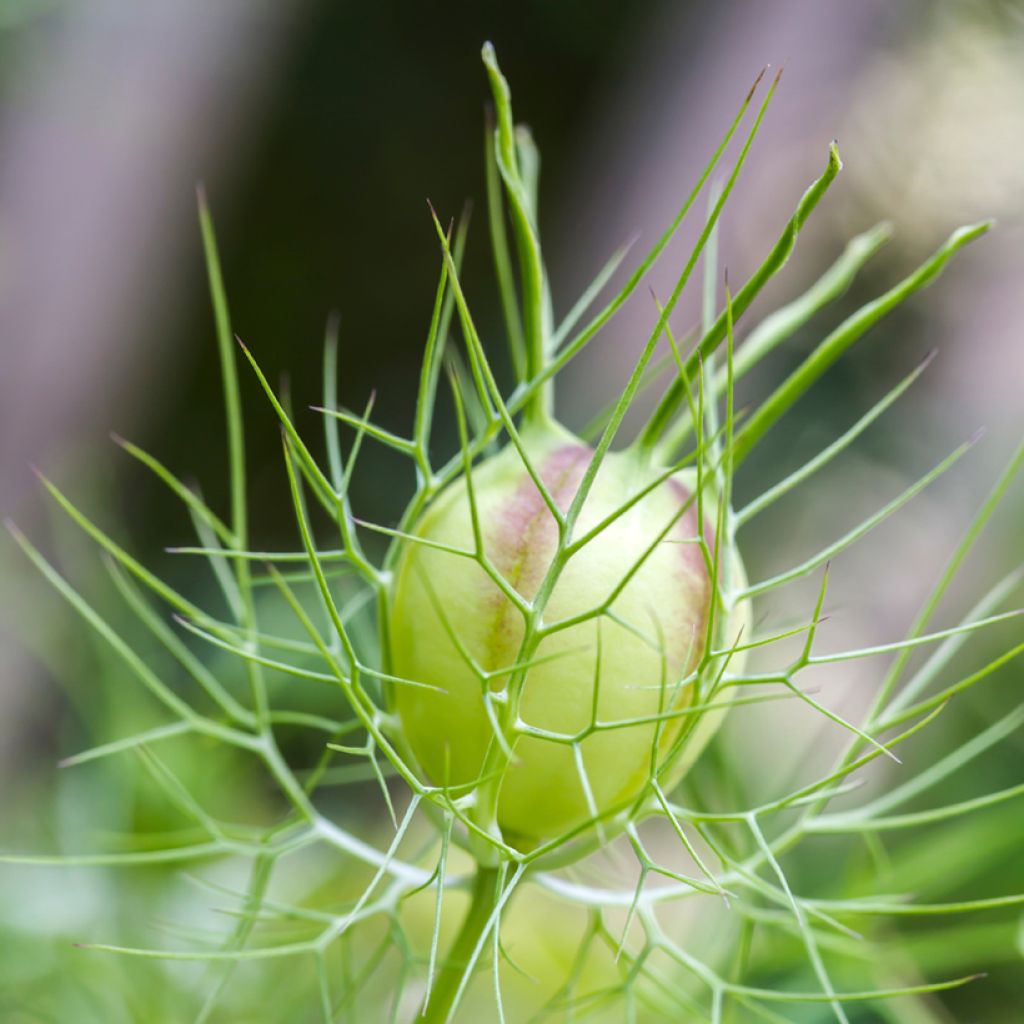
column 634, row 600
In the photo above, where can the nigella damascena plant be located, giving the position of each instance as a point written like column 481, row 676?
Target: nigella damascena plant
column 533, row 662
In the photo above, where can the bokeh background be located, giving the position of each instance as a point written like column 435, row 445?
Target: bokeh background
column 319, row 130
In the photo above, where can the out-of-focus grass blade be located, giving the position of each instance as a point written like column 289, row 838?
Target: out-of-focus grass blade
column 829, row 350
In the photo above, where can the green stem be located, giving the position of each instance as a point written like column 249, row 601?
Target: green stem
column 484, row 898
column 508, row 148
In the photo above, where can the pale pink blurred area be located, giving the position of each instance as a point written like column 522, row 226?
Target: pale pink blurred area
column 106, row 127
column 99, row 157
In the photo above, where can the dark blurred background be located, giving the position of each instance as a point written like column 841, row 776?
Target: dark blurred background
column 320, row 129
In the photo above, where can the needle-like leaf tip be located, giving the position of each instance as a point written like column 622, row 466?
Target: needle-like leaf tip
column 757, row 82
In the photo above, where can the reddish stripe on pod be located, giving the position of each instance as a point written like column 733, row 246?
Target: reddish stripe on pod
column 526, row 534
column 523, row 540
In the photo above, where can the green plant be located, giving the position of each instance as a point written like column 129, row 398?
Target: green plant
column 508, row 753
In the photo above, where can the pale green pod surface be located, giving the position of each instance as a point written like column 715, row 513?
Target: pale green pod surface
column 448, row 619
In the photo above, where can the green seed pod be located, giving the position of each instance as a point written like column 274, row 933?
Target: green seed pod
column 453, row 627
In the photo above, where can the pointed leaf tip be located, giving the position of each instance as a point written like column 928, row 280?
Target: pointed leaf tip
column 757, row 82
column 881, row 233
column 969, row 232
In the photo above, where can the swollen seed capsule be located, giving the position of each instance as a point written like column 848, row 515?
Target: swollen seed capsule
column 451, row 626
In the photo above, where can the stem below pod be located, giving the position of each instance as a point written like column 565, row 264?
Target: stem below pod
column 483, row 899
